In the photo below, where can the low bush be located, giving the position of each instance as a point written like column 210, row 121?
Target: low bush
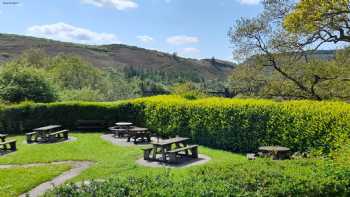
column 230, row 124
column 311, row 177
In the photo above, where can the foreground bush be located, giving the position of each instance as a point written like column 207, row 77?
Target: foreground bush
column 312, row 177
column 230, row 124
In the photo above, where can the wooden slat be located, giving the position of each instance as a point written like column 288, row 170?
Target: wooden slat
column 182, row 149
column 171, row 141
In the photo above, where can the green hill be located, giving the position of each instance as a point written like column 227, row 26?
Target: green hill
column 118, row 56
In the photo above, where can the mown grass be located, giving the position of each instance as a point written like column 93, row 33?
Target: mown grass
column 225, row 171
column 110, row 160
column 18, row 180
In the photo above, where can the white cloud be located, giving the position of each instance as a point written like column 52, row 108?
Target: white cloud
column 145, row 39
column 190, row 52
column 117, row 4
column 182, row 40
column 249, row 2
column 69, row 33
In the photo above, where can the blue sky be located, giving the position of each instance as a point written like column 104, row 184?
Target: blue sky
column 192, row 28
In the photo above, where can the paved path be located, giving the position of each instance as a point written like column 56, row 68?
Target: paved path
column 77, row 168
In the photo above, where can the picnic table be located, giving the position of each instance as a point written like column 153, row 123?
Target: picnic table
column 277, row 152
column 124, row 124
column 44, row 132
column 121, row 129
column 3, row 137
column 166, row 145
column 137, row 133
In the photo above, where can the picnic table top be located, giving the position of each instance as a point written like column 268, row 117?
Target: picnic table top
column 123, row 124
column 171, row 141
column 138, row 129
column 3, row 135
column 47, row 128
column 274, row 148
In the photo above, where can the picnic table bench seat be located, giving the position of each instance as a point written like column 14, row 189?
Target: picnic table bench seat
column 91, row 124
column 139, row 133
column 59, row 134
column 120, row 132
column 30, row 136
column 3, row 137
column 147, row 152
column 12, row 144
column 173, row 154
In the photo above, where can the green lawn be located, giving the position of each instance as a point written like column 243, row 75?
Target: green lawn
column 15, row 181
column 112, row 161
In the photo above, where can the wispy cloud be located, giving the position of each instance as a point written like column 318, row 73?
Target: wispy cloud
column 249, row 2
column 117, row 4
column 69, row 33
column 182, row 40
column 145, row 39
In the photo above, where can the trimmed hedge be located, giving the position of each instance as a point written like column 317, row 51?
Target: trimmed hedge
column 230, row 124
column 245, row 124
column 18, row 119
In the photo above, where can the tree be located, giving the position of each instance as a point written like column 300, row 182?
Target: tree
column 84, row 94
column 248, row 79
column 18, row 83
column 72, row 72
column 36, row 58
column 287, row 68
column 322, row 20
column 188, row 90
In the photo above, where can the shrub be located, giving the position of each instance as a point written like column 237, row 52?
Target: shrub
column 231, row 124
column 188, row 91
column 25, row 83
column 245, row 124
column 250, row 178
column 84, row 94
column 16, row 119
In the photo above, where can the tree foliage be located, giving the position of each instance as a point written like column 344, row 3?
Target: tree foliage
column 321, row 20
column 71, row 72
column 277, row 62
column 18, row 83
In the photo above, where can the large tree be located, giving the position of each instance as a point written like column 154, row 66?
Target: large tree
column 322, row 20
column 279, row 57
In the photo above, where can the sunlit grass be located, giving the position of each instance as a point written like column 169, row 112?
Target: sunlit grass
column 111, row 161
column 15, row 181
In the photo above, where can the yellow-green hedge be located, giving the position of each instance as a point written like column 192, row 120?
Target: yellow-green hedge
column 231, row 124
column 243, row 125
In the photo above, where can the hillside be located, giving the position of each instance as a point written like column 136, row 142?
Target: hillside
column 117, row 55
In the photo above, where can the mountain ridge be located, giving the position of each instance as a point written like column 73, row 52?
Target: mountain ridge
column 117, row 55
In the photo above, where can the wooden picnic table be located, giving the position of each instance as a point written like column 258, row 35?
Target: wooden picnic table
column 124, row 124
column 277, row 152
column 3, row 137
column 43, row 132
column 165, row 146
column 138, row 132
